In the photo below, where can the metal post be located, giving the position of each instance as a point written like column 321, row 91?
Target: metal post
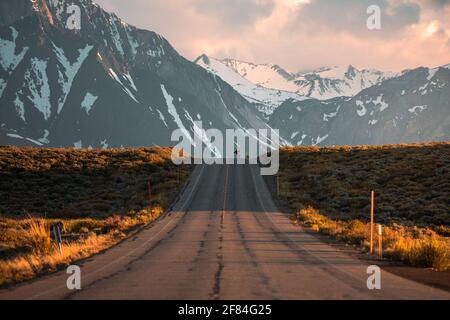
column 59, row 239
column 57, row 236
column 371, row 221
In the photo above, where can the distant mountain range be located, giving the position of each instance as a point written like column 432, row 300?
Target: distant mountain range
column 338, row 81
column 412, row 107
column 257, row 83
column 270, row 84
column 110, row 84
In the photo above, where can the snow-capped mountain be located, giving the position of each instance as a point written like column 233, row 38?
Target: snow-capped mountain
column 252, row 80
column 266, row 75
column 338, row 81
column 107, row 84
column 267, row 99
column 412, row 107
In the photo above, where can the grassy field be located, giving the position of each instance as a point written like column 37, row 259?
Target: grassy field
column 99, row 196
column 330, row 188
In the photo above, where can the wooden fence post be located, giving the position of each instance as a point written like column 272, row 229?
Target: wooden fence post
column 380, row 242
column 278, row 185
column 371, row 221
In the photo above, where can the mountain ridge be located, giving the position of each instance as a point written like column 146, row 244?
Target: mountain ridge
column 410, row 108
column 107, row 84
column 322, row 83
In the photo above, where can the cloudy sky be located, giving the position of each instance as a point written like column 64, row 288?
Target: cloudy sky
column 299, row 34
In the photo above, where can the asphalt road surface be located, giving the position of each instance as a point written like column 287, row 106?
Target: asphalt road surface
column 225, row 239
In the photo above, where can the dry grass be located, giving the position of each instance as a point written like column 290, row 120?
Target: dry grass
column 25, row 267
column 427, row 250
column 39, row 236
column 330, row 190
column 99, row 196
column 411, row 182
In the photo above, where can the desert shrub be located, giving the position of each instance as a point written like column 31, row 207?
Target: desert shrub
column 410, row 182
column 426, row 252
column 114, row 222
column 356, row 232
column 39, row 236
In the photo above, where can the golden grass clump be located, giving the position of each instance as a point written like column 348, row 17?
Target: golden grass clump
column 428, row 250
column 39, row 236
column 28, row 266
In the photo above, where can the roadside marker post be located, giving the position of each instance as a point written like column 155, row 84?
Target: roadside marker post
column 181, row 155
column 380, row 242
column 278, row 185
column 371, row 220
column 57, row 237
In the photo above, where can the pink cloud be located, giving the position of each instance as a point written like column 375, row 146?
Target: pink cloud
column 272, row 33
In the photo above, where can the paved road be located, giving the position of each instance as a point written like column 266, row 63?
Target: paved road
column 224, row 239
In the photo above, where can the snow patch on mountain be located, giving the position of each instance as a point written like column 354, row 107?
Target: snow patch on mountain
column 44, row 139
column 162, row 118
column 20, row 108
column 327, row 116
column 9, row 60
column 70, row 70
column 115, row 35
column 431, row 73
column 362, row 108
column 221, row 100
column 378, row 102
column 17, row 136
column 417, row 109
column 104, row 144
column 114, row 75
column 37, row 82
column 201, row 134
column 173, row 110
column 3, row 85
column 130, row 81
column 88, row 102
column 319, row 140
column 133, row 43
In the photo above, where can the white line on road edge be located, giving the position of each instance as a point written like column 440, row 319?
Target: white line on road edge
column 132, row 251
